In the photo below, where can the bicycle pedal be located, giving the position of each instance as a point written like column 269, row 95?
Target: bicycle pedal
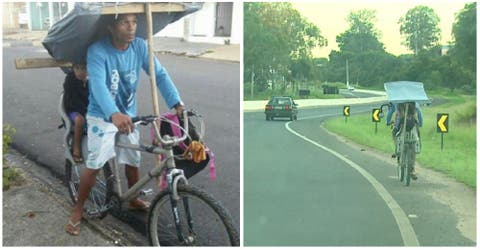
column 146, row 192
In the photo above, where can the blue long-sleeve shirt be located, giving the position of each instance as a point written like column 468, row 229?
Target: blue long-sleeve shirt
column 113, row 78
column 394, row 107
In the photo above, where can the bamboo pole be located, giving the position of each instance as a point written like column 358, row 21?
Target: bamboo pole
column 151, row 70
column 153, row 81
column 35, row 63
column 142, row 8
column 404, row 135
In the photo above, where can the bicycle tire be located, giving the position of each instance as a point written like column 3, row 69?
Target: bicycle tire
column 400, row 168
column 407, row 153
column 96, row 206
column 411, row 159
column 400, row 172
column 162, row 230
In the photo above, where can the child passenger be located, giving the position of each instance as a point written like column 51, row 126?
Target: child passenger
column 75, row 90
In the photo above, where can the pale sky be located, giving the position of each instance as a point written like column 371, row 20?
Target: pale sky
column 330, row 17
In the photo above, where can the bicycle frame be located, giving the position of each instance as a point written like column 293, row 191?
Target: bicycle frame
column 167, row 163
column 174, row 175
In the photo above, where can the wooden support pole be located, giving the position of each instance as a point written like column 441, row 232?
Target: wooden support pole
column 404, row 133
column 142, row 8
column 151, row 72
column 35, row 63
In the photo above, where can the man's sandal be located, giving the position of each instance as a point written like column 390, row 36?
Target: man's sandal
column 139, row 205
column 73, row 228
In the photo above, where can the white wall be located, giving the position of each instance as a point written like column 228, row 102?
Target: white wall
column 200, row 26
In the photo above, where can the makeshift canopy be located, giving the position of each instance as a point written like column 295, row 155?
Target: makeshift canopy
column 405, row 91
column 69, row 38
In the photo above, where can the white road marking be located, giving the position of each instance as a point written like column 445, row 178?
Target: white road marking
column 406, row 230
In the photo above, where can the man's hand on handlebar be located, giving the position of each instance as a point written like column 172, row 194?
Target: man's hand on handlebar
column 179, row 110
column 123, row 123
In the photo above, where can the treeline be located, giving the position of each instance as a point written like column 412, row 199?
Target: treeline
column 278, row 43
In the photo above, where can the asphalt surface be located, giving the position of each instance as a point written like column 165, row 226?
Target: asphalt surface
column 305, row 187
column 209, row 86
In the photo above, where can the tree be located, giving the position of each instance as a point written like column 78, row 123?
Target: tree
column 465, row 34
column 357, row 45
column 274, row 35
column 420, row 28
column 362, row 35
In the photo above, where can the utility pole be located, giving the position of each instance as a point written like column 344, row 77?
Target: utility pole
column 346, row 68
column 251, row 87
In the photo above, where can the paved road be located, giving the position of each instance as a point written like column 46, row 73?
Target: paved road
column 30, row 99
column 304, row 187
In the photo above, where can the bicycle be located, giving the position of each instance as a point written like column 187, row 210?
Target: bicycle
column 407, row 144
column 182, row 214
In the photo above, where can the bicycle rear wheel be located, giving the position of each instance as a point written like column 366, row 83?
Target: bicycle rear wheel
column 400, row 168
column 411, row 160
column 96, row 206
column 406, row 166
column 211, row 224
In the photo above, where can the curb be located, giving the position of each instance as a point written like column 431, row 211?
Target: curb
column 109, row 228
column 9, row 44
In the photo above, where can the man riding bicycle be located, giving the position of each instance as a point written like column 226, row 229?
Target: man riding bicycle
column 114, row 65
column 414, row 116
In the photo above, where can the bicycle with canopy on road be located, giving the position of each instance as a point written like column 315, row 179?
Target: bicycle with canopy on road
column 405, row 99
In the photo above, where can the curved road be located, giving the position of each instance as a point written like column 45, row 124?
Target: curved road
column 305, row 187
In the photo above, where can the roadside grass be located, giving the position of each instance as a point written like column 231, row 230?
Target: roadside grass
column 10, row 175
column 458, row 157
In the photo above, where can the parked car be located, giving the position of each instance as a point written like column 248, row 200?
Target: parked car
column 281, row 106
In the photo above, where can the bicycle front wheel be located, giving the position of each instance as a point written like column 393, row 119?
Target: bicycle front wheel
column 96, row 206
column 203, row 221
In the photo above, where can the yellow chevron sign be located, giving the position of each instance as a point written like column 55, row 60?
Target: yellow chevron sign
column 346, row 110
column 442, row 123
column 375, row 115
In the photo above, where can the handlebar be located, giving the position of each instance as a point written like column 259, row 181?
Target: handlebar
column 167, row 140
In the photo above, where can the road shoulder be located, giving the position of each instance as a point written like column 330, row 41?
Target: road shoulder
column 39, row 208
column 457, row 196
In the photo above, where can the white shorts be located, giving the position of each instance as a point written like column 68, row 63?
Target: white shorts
column 101, row 144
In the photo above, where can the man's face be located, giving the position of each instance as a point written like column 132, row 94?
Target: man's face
column 125, row 28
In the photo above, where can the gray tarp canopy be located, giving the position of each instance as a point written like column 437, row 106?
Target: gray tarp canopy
column 69, row 38
column 405, row 91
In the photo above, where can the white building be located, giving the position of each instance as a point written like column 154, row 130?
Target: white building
column 216, row 22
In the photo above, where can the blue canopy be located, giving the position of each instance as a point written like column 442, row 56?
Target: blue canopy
column 405, row 91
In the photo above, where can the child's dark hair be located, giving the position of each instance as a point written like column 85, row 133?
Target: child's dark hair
column 79, row 66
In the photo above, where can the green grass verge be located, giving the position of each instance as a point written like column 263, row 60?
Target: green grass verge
column 458, row 157
column 11, row 177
